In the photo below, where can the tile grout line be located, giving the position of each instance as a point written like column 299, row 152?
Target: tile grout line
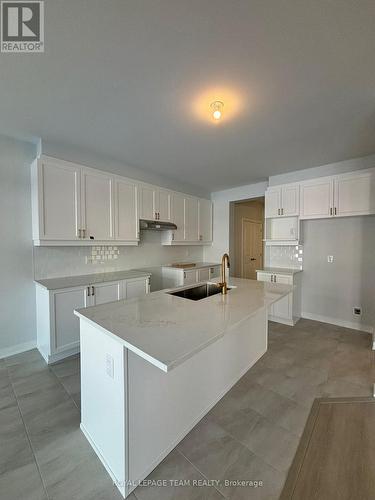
column 27, row 435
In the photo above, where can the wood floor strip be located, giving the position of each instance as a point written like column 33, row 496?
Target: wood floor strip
column 335, row 458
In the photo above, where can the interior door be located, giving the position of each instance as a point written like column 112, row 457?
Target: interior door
column 290, row 200
column 97, row 195
column 164, row 208
column 126, row 219
column 60, row 201
column 272, row 202
column 317, row 198
column 205, row 220
column 147, row 203
column 251, row 248
column 106, row 292
column 191, row 219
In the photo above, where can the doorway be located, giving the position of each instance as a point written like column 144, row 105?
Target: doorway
column 246, row 237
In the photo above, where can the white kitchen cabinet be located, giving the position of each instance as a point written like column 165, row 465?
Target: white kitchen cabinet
column 191, row 219
column 154, row 203
column 317, row 198
column 178, row 213
column 57, row 326
column 205, row 220
column 204, row 274
column 282, row 201
column 56, row 201
column 97, row 205
column 354, row 194
column 135, row 287
column 126, row 211
column 214, row 272
column 102, row 293
column 287, row 310
column 190, row 277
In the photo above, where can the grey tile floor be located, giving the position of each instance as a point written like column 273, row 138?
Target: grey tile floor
column 251, row 434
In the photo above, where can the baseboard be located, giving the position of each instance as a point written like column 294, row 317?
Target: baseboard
column 17, row 349
column 338, row 322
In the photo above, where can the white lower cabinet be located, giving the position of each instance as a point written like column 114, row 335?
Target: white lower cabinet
column 288, row 309
column 57, row 326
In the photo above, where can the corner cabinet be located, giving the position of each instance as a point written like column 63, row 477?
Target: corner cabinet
column 58, row 327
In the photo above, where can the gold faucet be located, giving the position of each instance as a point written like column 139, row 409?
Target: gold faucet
column 223, row 284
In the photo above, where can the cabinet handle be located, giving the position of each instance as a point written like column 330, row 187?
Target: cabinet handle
column 184, row 275
column 331, row 211
column 92, row 290
column 172, row 236
column 79, row 233
column 88, row 292
column 84, row 233
column 335, row 211
column 274, row 278
column 282, row 211
column 278, row 211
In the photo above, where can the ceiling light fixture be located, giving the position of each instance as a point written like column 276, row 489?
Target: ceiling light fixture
column 217, row 109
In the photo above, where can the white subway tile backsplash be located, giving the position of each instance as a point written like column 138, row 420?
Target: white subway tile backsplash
column 284, row 256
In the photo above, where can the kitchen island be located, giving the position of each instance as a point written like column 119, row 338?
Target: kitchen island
column 153, row 366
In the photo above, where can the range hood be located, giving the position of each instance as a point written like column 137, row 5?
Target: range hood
column 156, row 225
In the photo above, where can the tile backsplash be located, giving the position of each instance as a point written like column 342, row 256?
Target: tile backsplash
column 284, row 256
column 51, row 262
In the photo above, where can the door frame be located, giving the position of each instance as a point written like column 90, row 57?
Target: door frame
column 242, row 241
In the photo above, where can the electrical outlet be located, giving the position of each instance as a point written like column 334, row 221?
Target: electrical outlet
column 357, row 311
column 109, row 366
column 330, row 259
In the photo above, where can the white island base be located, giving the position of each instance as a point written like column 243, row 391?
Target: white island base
column 134, row 413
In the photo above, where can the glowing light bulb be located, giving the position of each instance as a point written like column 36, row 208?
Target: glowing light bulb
column 217, row 107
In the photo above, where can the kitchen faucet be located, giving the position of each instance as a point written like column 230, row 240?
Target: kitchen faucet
column 223, row 284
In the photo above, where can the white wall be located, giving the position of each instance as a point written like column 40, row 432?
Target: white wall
column 332, row 290
column 221, row 209
column 17, row 297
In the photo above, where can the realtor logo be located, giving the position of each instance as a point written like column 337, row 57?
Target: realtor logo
column 22, row 26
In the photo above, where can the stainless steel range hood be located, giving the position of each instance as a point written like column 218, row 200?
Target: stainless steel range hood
column 156, row 225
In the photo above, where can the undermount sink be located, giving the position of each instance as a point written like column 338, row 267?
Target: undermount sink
column 198, row 292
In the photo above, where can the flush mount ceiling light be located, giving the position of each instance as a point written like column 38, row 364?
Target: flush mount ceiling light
column 217, row 109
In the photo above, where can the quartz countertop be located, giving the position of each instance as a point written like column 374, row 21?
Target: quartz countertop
column 198, row 265
column 166, row 330
column 279, row 270
column 89, row 279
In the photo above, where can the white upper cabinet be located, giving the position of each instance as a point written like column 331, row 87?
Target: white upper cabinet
column 178, row 216
column 317, row 198
column 355, row 194
column 205, row 220
column 154, row 203
column 56, row 201
column 126, row 217
column 282, row 201
column 273, row 202
column 97, row 204
column 191, row 219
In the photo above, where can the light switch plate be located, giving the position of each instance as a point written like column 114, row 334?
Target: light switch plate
column 330, row 259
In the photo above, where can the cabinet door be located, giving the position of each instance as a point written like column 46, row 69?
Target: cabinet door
column 273, row 202
column 164, row 205
column 126, row 216
column 264, row 277
column 97, row 209
column 59, row 201
column 205, row 220
column 106, row 292
column 190, row 277
column 178, row 210
column 317, row 198
column 191, row 219
column 147, row 203
column 290, row 200
column 66, row 324
column 214, row 272
column 283, row 307
column 355, row 194
column 204, row 274
column 136, row 288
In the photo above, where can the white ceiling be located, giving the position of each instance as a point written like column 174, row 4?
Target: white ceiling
column 133, row 80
